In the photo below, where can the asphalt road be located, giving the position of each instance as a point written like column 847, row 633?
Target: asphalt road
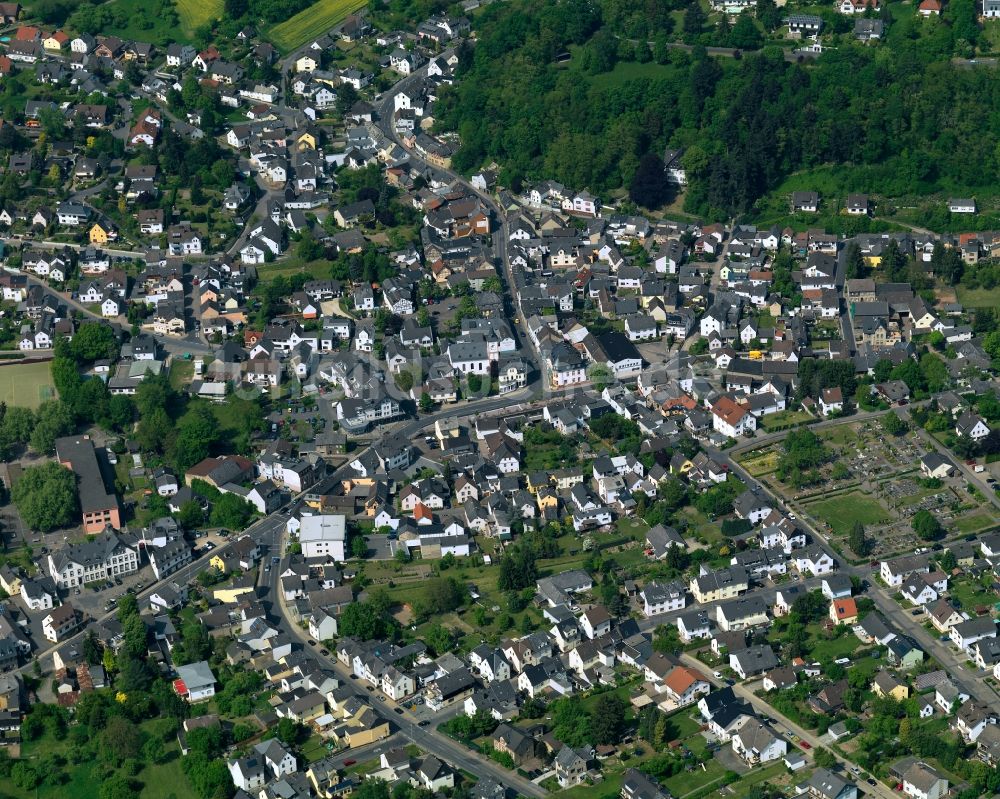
column 960, row 670
column 405, row 724
column 384, row 110
column 764, row 711
column 172, row 344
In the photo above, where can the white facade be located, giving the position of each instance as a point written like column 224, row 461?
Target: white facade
column 323, row 536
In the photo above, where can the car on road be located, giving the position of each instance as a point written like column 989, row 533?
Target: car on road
column 381, row 698
column 349, row 762
column 717, row 675
column 805, row 744
column 398, row 711
column 324, row 652
column 870, row 781
column 423, row 723
column 312, row 643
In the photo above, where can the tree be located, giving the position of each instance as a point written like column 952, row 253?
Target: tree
column 359, row 547
column 236, row 9
column 404, row 381
column 893, row 425
column 571, row 722
column 53, row 419
column 231, row 511
column 607, row 718
column 46, row 497
column 650, row 187
column 443, row 595
column 372, row 789
column 288, row 731
column 197, row 432
column 858, row 541
column 15, row 429
column 948, row 561
column 117, row 787
column 426, row 403
column 362, row 620
column 93, row 341
column 768, row 14
column 926, row 525
column 824, row 757
column 855, row 262
column 745, row 33
column 120, row 740
column 694, row 19
column 190, row 516
column 517, row 569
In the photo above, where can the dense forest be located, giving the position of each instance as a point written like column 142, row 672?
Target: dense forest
column 902, row 118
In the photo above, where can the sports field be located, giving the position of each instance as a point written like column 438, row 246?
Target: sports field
column 194, row 13
column 310, row 22
column 26, row 384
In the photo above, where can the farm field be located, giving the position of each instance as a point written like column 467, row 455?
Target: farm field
column 842, row 512
column 310, row 22
column 195, row 13
column 26, row 384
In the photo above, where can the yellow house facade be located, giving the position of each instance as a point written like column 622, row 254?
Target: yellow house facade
column 99, row 234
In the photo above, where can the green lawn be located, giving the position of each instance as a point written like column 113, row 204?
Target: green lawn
column 688, row 781
column 289, row 267
column 839, row 434
column 783, row 419
column 974, row 522
column 979, row 298
column 824, row 650
column 628, row 71
column 181, row 373
column 843, row 511
column 26, row 384
column 312, row 21
column 971, row 594
column 760, row 463
column 164, row 780
column 767, row 774
column 634, row 528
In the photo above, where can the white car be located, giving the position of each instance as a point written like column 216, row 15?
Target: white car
column 717, row 675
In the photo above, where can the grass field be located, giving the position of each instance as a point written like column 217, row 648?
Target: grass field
column 195, row 13
column 971, row 595
column 289, row 267
column 783, row 419
column 842, row 512
column 761, row 463
column 26, row 384
column 973, row 522
column 311, row 22
column 979, row 298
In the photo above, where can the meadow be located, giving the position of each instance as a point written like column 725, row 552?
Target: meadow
column 311, row 22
